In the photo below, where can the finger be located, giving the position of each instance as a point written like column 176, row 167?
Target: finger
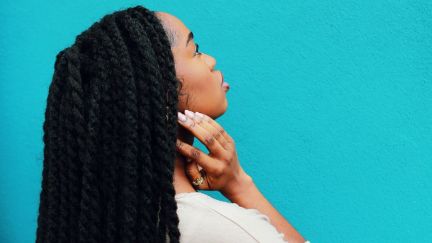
column 205, row 161
column 211, row 121
column 210, row 134
column 202, row 134
column 193, row 172
column 211, row 129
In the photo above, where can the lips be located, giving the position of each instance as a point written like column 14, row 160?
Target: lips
column 224, row 84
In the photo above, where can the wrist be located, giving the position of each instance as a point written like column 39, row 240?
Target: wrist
column 239, row 187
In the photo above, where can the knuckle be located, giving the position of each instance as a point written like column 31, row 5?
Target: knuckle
column 195, row 153
column 217, row 135
column 218, row 171
column 209, row 140
column 228, row 145
column 224, row 144
column 228, row 157
column 192, row 123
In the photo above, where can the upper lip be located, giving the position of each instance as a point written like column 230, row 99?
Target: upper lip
column 222, row 78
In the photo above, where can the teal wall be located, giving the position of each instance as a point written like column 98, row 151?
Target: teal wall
column 330, row 106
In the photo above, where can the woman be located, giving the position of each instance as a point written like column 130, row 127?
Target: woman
column 116, row 143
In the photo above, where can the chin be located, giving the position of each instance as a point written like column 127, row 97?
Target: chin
column 225, row 105
column 222, row 111
column 216, row 111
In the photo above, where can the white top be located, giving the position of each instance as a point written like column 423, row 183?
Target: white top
column 205, row 219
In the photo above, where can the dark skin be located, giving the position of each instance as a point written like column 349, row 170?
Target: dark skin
column 202, row 85
column 207, row 101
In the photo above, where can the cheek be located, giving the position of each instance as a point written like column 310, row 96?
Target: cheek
column 200, row 78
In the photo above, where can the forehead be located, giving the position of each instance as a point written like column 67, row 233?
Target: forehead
column 176, row 26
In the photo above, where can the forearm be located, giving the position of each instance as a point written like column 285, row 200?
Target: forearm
column 251, row 197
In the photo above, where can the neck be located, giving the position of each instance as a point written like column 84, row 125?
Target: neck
column 181, row 180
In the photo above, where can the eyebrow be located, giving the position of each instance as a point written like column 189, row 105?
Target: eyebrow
column 190, row 37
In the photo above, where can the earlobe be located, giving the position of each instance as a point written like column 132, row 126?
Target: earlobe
column 180, row 79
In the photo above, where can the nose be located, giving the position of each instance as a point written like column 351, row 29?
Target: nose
column 210, row 61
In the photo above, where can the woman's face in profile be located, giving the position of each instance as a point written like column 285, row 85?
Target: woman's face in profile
column 202, row 85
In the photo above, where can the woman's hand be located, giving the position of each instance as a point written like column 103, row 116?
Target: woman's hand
column 222, row 167
column 223, row 170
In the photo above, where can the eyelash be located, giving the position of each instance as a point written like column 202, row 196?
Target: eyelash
column 196, row 51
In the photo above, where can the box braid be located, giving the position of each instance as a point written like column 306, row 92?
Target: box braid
column 109, row 135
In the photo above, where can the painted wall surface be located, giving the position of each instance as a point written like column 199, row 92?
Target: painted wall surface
column 330, row 106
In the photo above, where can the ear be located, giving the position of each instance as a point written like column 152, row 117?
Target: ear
column 180, row 80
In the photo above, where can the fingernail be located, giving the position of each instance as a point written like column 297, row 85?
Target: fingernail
column 181, row 117
column 199, row 115
column 189, row 114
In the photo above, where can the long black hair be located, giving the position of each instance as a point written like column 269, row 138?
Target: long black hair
column 109, row 135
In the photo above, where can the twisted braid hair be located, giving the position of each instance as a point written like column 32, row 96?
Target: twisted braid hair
column 109, row 135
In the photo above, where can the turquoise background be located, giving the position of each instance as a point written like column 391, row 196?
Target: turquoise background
column 330, row 106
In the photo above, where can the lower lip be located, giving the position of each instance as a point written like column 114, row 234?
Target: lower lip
column 225, row 85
